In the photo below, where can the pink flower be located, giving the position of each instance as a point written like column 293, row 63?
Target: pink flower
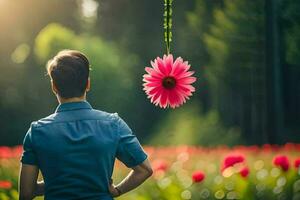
column 198, row 176
column 160, row 165
column 5, row 184
column 282, row 162
column 231, row 160
column 168, row 83
column 244, row 172
column 297, row 163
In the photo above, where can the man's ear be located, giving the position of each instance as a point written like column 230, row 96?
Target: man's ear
column 88, row 85
column 54, row 89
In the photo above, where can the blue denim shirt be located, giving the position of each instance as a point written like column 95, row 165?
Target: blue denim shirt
column 75, row 149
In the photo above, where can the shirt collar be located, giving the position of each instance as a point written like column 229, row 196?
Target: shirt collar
column 73, row 106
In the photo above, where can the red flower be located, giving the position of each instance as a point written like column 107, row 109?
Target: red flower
column 231, row 160
column 297, row 163
column 160, row 165
column 5, row 184
column 17, row 151
column 244, row 172
column 198, row 176
column 5, row 152
column 282, row 162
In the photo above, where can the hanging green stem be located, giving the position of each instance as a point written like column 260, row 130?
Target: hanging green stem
column 168, row 23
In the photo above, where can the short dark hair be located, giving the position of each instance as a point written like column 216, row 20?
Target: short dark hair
column 69, row 71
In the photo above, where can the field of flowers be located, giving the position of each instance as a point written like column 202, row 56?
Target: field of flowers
column 189, row 172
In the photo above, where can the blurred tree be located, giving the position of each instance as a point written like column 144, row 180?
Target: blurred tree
column 290, row 20
column 274, row 105
column 20, row 22
column 245, row 71
column 236, row 71
column 198, row 21
column 290, row 26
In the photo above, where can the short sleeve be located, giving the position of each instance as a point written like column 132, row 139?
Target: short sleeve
column 129, row 150
column 29, row 156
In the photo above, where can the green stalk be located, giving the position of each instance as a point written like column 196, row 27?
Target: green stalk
column 168, row 23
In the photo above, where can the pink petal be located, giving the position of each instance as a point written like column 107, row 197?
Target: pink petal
column 154, row 90
column 169, row 63
column 154, row 72
column 184, row 94
column 186, row 66
column 183, row 67
column 181, row 97
column 163, row 99
column 148, row 70
column 187, row 87
column 174, row 99
column 148, row 78
column 157, row 100
column 179, row 70
column 161, row 66
column 187, row 80
column 176, row 64
column 152, row 84
column 155, row 97
column 185, row 74
column 155, row 67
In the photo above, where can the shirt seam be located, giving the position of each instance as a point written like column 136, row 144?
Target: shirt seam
column 71, row 109
column 33, row 126
column 41, row 126
column 118, row 134
column 118, row 128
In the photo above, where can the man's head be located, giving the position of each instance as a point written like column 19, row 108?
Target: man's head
column 69, row 72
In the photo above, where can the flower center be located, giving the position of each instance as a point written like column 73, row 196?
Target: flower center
column 169, row 82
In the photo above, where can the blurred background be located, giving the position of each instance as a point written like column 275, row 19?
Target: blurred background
column 246, row 56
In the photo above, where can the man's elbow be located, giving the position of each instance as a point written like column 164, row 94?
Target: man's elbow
column 149, row 172
column 144, row 169
column 145, row 172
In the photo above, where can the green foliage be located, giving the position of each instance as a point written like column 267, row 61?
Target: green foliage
column 52, row 38
column 111, row 73
column 189, row 126
column 292, row 41
column 290, row 20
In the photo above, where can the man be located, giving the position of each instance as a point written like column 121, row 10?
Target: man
column 75, row 147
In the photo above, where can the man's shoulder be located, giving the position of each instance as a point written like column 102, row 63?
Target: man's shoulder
column 105, row 115
column 94, row 115
column 44, row 121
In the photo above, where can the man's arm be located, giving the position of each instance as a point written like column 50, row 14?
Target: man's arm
column 136, row 177
column 28, row 185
